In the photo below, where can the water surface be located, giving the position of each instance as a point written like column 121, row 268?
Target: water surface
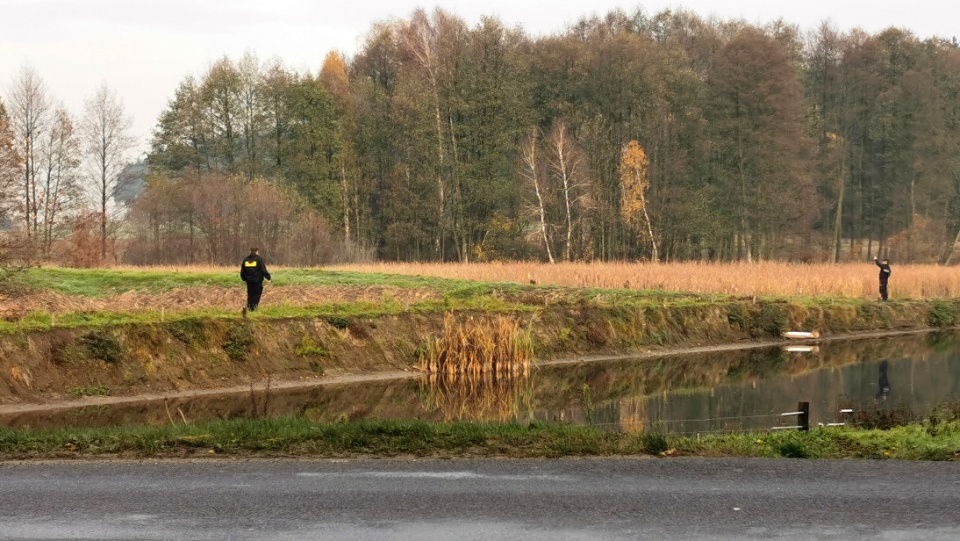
column 721, row 391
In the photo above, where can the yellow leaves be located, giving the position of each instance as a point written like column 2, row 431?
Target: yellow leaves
column 333, row 75
column 634, row 161
column 633, row 183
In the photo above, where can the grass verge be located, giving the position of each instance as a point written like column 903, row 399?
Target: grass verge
column 297, row 437
column 106, row 282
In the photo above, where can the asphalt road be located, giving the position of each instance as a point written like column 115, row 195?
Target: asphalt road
column 684, row 499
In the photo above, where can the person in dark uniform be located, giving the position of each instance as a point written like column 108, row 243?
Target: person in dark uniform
column 884, row 276
column 253, row 271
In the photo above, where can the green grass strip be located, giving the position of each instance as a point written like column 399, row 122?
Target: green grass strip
column 294, row 436
column 107, row 282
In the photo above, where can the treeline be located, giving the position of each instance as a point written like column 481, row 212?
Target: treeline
column 60, row 174
column 627, row 136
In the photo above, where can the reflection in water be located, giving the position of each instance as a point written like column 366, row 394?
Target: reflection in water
column 884, row 392
column 710, row 392
column 478, row 397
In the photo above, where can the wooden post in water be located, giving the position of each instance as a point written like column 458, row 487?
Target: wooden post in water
column 804, row 418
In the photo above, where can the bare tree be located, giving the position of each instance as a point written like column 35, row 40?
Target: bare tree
column 252, row 112
column 9, row 167
column 29, row 110
column 14, row 248
column 60, row 158
column 106, row 141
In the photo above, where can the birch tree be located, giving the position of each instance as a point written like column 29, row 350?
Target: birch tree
column 634, row 184
column 530, row 172
column 567, row 171
column 420, row 36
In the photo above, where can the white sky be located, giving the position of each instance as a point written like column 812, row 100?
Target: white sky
column 144, row 48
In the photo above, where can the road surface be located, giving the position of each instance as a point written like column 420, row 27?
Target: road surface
column 569, row 499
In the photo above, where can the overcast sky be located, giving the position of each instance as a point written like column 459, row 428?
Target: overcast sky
column 144, row 48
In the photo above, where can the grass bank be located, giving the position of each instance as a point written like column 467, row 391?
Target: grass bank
column 297, row 437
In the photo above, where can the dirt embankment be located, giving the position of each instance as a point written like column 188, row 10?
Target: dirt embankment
column 208, row 353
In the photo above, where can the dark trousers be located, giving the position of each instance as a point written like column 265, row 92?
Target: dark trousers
column 254, row 291
column 883, row 289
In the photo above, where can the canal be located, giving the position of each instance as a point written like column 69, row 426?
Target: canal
column 902, row 376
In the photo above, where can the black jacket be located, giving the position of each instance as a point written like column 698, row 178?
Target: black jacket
column 254, row 269
column 884, row 270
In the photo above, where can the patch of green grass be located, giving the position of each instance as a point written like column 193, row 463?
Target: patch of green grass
column 189, row 331
column 297, row 436
column 308, row 348
column 69, row 354
column 106, row 282
column 91, row 390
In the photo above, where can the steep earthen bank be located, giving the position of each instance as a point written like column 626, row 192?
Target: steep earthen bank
column 207, row 353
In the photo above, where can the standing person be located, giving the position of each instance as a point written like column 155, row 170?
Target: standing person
column 884, row 276
column 253, row 271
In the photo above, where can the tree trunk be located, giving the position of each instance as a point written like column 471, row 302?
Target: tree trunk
column 654, row 255
column 838, row 216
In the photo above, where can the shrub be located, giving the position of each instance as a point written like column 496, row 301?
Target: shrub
column 792, row 448
column 308, row 348
column 189, row 331
column 654, row 441
column 103, row 346
column 339, row 322
column 942, row 314
column 238, row 342
column 771, row 321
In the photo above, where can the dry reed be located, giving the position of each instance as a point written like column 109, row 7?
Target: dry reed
column 479, row 368
column 489, row 396
column 478, row 346
column 851, row 280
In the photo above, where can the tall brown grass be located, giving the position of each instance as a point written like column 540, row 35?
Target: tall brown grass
column 479, row 368
column 488, row 396
column 850, row 280
column 477, row 346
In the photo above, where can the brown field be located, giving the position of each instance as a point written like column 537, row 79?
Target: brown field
column 741, row 279
column 195, row 298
